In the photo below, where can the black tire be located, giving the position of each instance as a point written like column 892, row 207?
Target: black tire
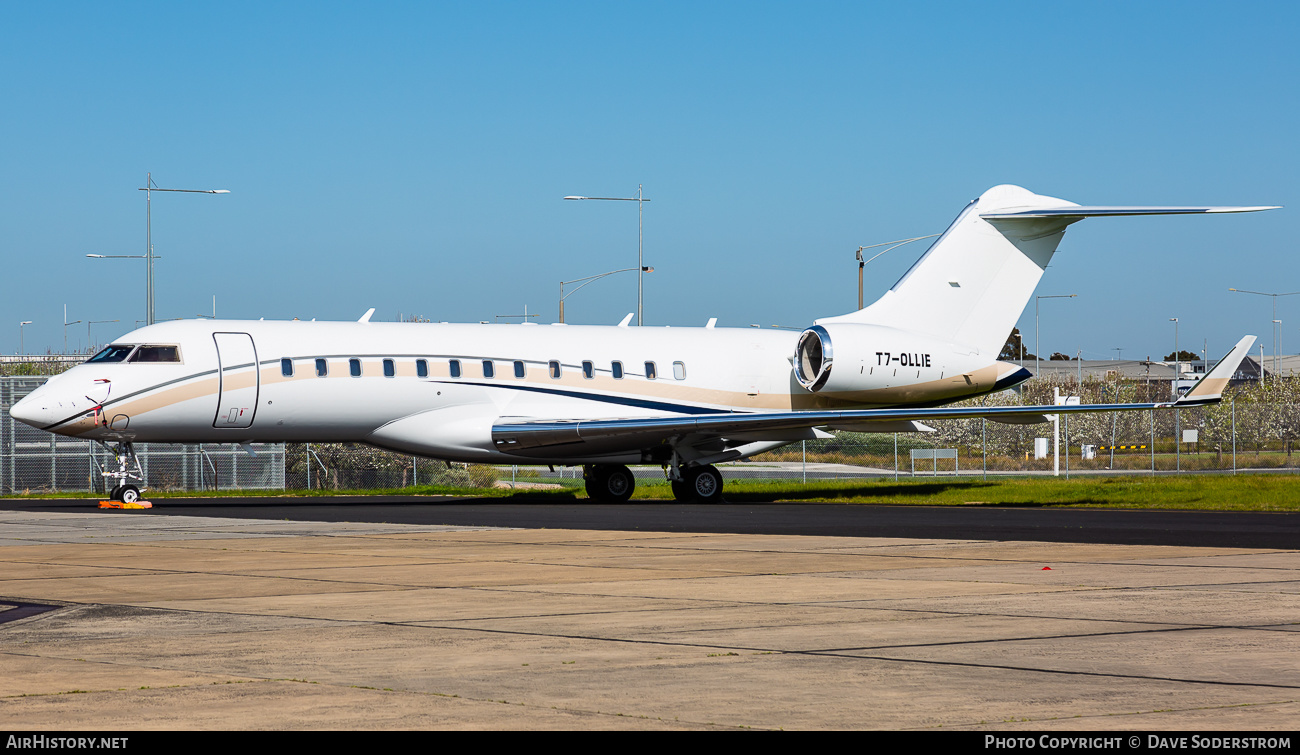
column 681, row 491
column 115, row 494
column 610, row 483
column 704, row 484
column 129, row 494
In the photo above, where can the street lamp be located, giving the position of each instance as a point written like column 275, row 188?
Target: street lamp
column 892, row 245
column 1178, row 430
column 1276, row 322
column 1277, row 347
column 65, row 327
column 640, row 238
column 149, row 188
column 89, row 341
column 22, row 348
column 592, row 279
column 1038, row 344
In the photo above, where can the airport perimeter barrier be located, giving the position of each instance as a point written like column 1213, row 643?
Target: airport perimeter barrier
column 35, row 461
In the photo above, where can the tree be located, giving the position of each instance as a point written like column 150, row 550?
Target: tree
column 1183, row 356
column 1015, row 347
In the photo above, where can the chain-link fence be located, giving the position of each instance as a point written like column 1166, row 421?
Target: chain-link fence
column 32, row 460
column 1255, row 427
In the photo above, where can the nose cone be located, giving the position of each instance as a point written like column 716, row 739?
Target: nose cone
column 30, row 410
column 47, row 405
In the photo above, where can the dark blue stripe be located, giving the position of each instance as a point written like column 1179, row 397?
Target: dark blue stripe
column 662, row 406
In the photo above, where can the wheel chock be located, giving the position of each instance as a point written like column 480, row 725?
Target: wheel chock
column 123, row 505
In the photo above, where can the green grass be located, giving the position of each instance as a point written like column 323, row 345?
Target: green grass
column 1245, row 492
column 418, row 490
column 1263, row 492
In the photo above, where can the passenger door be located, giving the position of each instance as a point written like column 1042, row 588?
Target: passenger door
column 238, row 380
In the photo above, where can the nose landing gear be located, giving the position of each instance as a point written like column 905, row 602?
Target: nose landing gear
column 128, row 469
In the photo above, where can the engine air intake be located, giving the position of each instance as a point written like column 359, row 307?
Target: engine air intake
column 812, row 358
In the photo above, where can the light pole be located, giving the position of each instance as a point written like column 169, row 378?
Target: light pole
column 593, row 279
column 22, row 347
column 640, row 239
column 149, row 188
column 892, row 245
column 1178, row 429
column 1276, row 321
column 1277, row 347
column 65, row 328
column 1038, row 344
column 89, row 341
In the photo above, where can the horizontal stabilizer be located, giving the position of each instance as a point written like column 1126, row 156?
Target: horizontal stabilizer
column 1079, row 211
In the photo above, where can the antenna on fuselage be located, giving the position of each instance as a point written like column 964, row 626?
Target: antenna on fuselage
column 366, row 316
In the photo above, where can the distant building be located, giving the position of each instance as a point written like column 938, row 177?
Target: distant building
column 1153, row 371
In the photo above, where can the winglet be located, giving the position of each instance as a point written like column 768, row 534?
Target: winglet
column 627, row 319
column 1209, row 389
column 366, row 316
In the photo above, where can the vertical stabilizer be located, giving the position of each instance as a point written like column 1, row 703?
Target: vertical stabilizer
column 972, row 284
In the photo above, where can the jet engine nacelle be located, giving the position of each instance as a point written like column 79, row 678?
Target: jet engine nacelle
column 852, row 357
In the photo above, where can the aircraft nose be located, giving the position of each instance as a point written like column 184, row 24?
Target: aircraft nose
column 43, row 407
column 29, row 410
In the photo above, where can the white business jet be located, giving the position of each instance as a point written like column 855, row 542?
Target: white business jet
column 602, row 397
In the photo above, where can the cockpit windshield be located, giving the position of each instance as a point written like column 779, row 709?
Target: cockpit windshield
column 156, row 354
column 114, row 353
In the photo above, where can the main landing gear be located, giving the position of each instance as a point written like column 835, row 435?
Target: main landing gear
column 608, row 483
column 129, row 470
column 614, row 483
column 698, row 485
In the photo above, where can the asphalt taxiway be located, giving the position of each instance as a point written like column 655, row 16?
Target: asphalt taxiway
column 977, row 521
column 191, row 619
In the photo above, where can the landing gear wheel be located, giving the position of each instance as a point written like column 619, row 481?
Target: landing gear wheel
column 128, row 469
column 704, row 484
column 681, row 491
column 609, row 483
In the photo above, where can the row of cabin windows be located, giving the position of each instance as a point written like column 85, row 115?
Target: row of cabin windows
column 553, row 368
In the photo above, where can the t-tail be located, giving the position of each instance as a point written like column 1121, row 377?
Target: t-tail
column 973, row 283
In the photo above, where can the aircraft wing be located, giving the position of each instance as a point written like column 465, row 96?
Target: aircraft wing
column 615, row 435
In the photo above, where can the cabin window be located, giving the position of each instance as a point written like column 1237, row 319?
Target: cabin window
column 390, row 369
column 519, row 369
column 588, row 370
column 617, row 369
column 421, row 368
column 650, row 372
column 354, row 367
column 112, row 354
column 156, row 354
column 489, row 369
column 454, row 366
column 679, row 370
column 554, row 368
column 322, row 368
column 286, row 367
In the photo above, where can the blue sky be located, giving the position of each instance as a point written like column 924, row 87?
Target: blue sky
column 413, row 157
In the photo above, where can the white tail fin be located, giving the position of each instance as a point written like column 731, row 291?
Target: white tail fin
column 972, row 284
